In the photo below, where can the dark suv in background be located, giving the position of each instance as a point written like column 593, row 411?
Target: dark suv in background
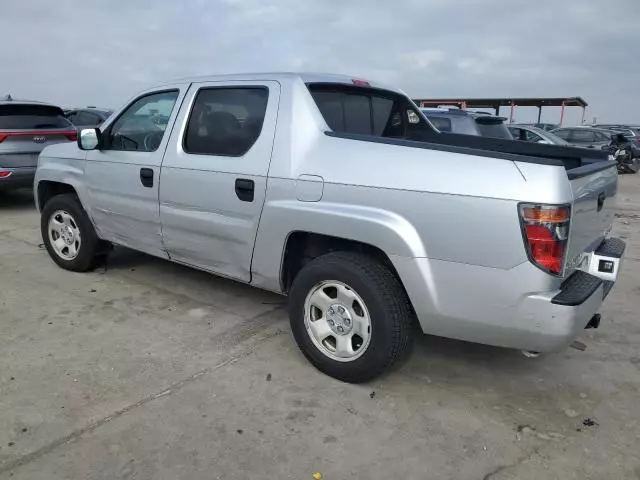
column 87, row 117
column 27, row 127
column 467, row 123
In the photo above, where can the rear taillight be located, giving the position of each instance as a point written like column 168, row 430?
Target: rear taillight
column 70, row 134
column 5, row 173
column 546, row 232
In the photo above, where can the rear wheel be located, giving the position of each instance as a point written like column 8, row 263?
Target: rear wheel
column 350, row 316
column 68, row 234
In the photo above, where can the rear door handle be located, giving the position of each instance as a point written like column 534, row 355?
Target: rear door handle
column 146, row 177
column 245, row 189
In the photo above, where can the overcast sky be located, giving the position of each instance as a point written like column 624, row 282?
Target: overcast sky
column 100, row 52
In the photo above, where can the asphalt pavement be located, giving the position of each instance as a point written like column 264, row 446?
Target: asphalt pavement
column 145, row 369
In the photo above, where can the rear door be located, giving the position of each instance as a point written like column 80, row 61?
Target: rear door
column 214, row 175
column 123, row 176
column 26, row 128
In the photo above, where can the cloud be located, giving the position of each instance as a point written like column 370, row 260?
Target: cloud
column 102, row 52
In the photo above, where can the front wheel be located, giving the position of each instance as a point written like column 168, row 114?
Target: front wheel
column 68, row 234
column 350, row 316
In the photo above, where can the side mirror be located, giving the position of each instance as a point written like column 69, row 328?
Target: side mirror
column 90, row 139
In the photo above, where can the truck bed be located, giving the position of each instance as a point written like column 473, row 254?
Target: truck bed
column 577, row 161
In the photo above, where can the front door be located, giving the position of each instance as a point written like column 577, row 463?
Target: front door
column 213, row 180
column 123, row 176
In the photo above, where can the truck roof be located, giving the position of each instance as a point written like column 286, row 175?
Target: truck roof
column 306, row 77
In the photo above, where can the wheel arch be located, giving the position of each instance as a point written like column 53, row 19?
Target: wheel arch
column 289, row 227
column 303, row 246
column 47, row 189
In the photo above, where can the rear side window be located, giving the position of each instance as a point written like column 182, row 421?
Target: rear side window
column 31, row 117
column 367, row 111
column 226, row 121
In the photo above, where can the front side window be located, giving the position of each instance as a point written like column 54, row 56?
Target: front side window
column 226, row 121
column 532, row 137
column 141, row 126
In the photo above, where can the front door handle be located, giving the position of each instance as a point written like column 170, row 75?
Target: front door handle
column 601, row 198
column 245, row 189
column 146, row 177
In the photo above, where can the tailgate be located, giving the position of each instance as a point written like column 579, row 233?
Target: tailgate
column 592, row 214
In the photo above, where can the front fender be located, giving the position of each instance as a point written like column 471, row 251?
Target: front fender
column 380, row 228
column 69, row 171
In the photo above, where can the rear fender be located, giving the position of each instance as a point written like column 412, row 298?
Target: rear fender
column 385, row 230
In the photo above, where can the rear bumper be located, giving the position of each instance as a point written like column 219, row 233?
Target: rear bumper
column 515, row 308
column 576, row 289
column 18, row 178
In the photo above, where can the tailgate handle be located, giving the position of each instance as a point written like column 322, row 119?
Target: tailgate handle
column 601, row 198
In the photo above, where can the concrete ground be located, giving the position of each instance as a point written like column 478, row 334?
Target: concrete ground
column 148, row 370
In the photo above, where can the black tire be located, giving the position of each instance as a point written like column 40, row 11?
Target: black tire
column 89, row 254
column 390, row 312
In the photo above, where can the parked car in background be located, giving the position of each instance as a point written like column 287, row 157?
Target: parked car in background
column 87, row 117
column 547, row 127
column 620, row 147
column 527, row 133
column 586, row 137
column 26, row 127
column 632, row 133
column 283, row 181
column 632, row 129
column 467, row 123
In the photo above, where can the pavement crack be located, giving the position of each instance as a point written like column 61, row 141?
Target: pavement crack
column 174, row 387
column 517, row 463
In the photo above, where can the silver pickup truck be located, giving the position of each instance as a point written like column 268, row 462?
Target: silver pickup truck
column 340, row 194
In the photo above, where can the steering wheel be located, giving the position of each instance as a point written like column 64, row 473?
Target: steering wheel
column 152, row 141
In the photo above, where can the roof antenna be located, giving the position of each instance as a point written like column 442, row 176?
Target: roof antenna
column 8, row 97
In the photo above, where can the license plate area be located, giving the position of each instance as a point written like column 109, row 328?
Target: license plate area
column 604, row 263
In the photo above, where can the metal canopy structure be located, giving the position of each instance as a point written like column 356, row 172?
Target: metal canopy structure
column 496, row 103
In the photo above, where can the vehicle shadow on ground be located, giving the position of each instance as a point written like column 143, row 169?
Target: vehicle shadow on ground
column 16, row 200
column 427, row 349
column 169, row 275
